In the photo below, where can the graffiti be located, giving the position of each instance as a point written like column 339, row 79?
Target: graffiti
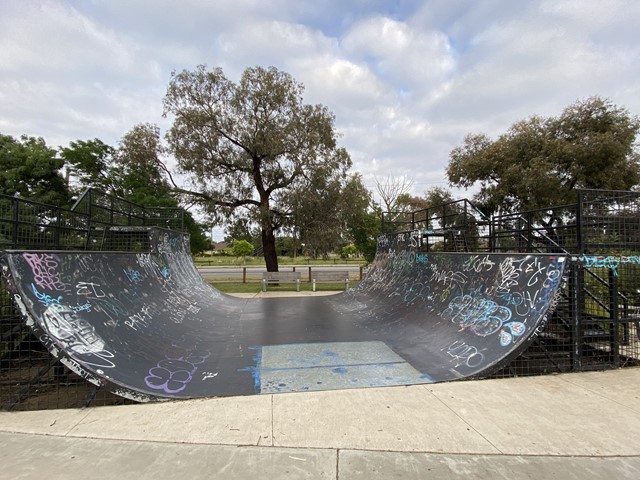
column 416, row 292
column 112, row 308
column 465, row 354
column 481, row 316
column 89, row 289
column 44, row 298
column 44, row 267
column 86, row 307
column 513, row 271
column 383, row 241
column 513, row 329
column 508, row 275
column 447, row 277
column 519, row 302
column 77, row 335
column 87, row 265
column 172, row 375
column 609, row 261
column 140, row 319
column 478, row 263
column 536, row 272
column 134, row 276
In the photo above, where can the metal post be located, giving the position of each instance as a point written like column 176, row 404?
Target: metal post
column 576, row 299
column 16, row 219
column 613, row 307
column 579, row 224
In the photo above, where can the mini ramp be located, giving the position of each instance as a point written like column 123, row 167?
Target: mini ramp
column 147, row 327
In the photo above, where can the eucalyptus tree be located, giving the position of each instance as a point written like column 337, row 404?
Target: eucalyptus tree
column 244, row 148
column 324, row 211
column 539, row 162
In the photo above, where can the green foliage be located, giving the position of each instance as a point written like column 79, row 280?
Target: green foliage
column 241, row 248
column 91, row 164
column 324, row 210
column 365, row 229
column 540, row 161
column 348, row 250
column 133, row 171
column 31, row 170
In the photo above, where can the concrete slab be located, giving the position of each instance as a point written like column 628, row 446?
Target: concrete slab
column 44, row 422
column 543, row 416
column 364, row 465
column 36, row 457
column 395, row 418
column 230, row 421
column 620, row 386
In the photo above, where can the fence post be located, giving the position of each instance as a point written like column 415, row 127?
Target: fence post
column 16, row 219
column 244, row 274
column 613, row 307
column 579, row 233
column 576, row 299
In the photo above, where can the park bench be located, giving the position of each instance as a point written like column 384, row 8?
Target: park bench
column 330, row 276
column 280, row 277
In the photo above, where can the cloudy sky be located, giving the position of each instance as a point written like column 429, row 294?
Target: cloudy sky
column 406, row 79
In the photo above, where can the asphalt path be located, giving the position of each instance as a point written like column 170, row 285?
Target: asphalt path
column 229, row 273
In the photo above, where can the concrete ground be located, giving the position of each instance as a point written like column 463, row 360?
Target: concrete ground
column 570, row 426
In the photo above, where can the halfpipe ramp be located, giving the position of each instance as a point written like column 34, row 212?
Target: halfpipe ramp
column 147, row 327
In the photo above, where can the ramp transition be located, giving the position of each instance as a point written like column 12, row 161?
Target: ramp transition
column 147, row 327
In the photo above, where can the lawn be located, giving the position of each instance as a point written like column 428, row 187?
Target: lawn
column 222, row 261
column 255, row 287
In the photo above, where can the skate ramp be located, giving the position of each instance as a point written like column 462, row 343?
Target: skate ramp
column 147, row 327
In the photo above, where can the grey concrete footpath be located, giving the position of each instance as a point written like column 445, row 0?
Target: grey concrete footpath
column 564, row 426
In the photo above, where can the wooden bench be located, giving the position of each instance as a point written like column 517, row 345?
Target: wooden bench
column 330, row 276
column 280, row 277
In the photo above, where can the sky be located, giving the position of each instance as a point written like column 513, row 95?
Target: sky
column 405, row 79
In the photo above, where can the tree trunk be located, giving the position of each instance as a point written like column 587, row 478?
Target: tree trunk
column 269, row 248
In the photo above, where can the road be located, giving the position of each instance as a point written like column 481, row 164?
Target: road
column 236, row 272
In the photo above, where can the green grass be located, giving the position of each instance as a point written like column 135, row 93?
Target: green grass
column 216, row 261
column 255, row 287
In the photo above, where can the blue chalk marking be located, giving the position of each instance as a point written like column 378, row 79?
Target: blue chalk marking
column 255, row 370
column 335, row 365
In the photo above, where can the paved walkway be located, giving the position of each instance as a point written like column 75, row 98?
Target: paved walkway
column 571, row 426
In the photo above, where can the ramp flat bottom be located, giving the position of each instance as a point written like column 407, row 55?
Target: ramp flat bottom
column 332, row 366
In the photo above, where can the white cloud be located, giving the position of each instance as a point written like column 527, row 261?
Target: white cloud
column 406, row 80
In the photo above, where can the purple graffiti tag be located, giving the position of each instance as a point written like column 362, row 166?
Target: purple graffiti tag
column 45, row 271
column 172, row 375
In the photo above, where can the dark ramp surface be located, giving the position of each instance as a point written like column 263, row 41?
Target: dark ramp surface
column 146, row 325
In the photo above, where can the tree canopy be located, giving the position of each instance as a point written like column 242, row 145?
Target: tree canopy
column 247, row 149
column 539, row 162
column 31, row 170
column 131, row 171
